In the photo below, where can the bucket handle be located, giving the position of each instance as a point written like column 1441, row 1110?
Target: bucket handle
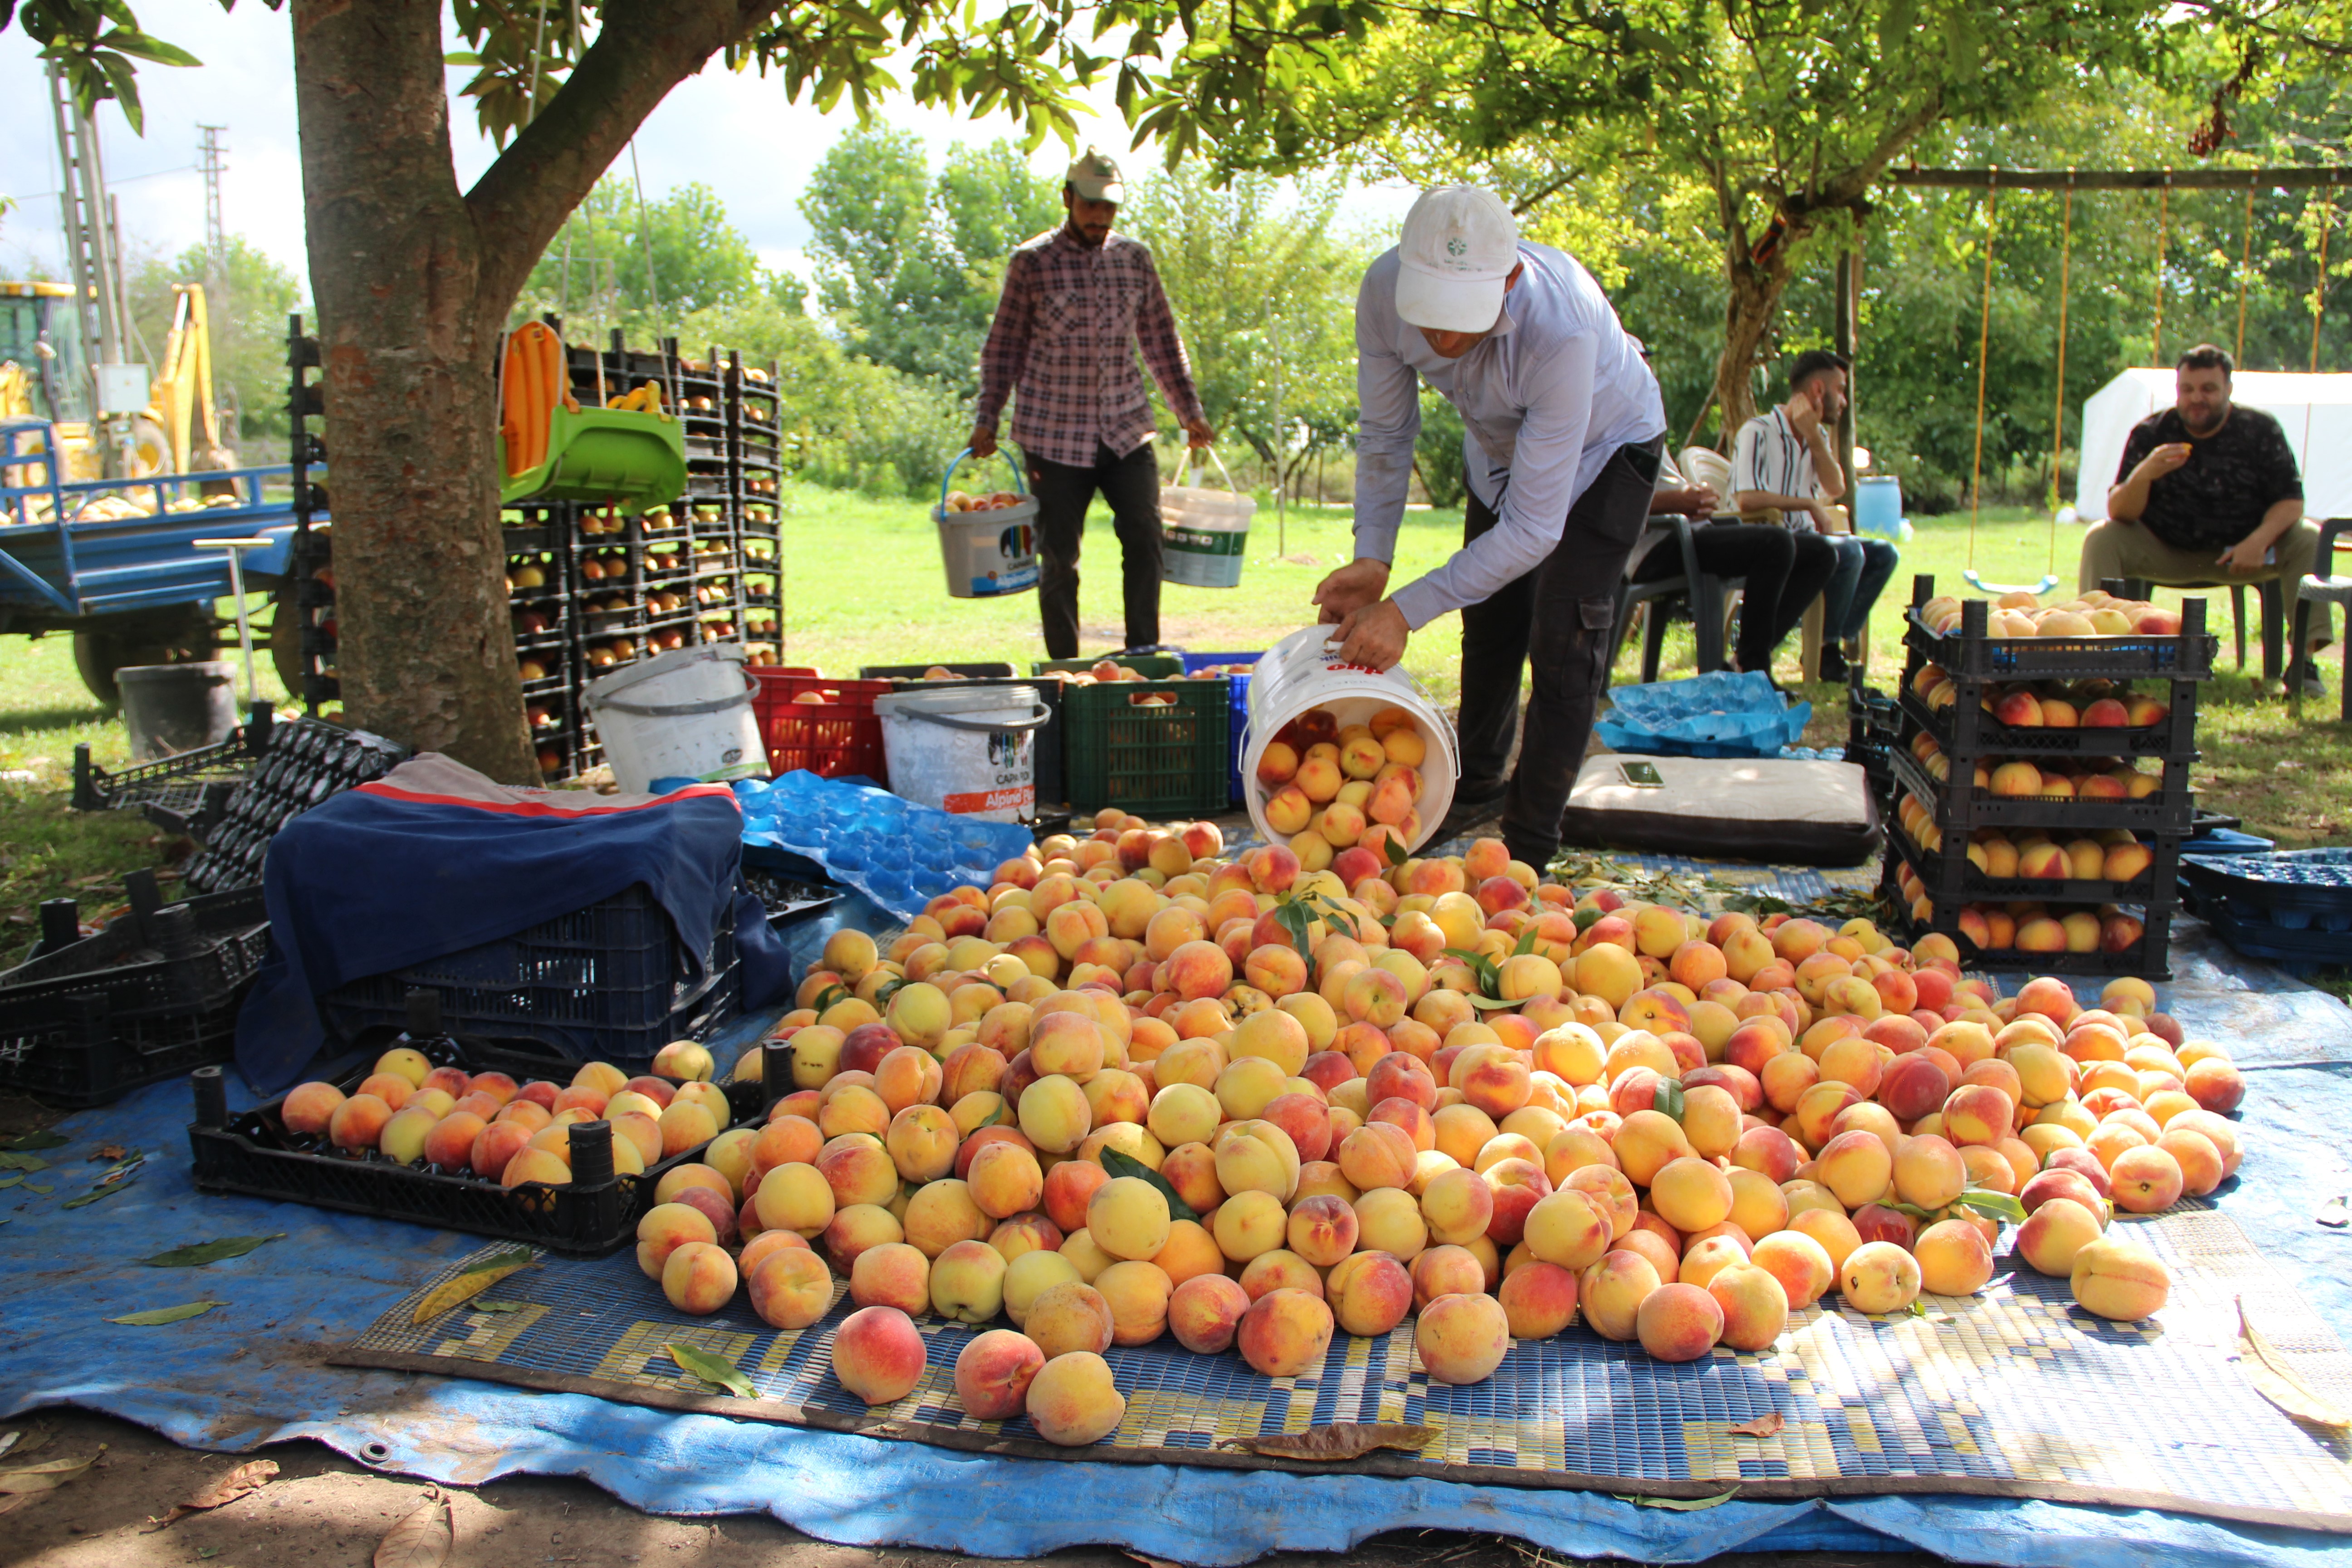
column 1185, row 461
column 1020, row 486
column 678, row 710
column 1035, row 721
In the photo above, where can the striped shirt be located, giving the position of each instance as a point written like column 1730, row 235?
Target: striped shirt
column 1064, row 337
column 1770, row 456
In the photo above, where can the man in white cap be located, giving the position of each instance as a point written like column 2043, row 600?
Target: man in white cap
column 1076, row 304
column 1562, row 424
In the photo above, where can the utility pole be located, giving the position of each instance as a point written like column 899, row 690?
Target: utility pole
column 212, row 159
column 118, row 390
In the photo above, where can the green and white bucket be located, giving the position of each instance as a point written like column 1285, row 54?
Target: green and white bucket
column 1202, row 532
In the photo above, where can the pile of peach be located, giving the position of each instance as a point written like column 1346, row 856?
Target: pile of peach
column 1332, row 788
column 484, row 1124
column 2029, row 925
column 2085, row 705
column 2052, row 778
column 1682, row 1129
column 2097, row 613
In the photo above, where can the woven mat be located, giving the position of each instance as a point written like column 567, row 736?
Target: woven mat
column 2008, row 1393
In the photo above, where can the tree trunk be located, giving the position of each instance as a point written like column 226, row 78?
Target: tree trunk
column 1752, row 305
column 414, row 281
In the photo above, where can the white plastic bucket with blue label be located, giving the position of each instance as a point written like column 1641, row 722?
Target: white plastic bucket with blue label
column 988, row 553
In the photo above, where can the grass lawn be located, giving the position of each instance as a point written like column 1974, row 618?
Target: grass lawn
column 862, row 586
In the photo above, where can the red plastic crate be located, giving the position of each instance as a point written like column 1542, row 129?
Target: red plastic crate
column 834, row 738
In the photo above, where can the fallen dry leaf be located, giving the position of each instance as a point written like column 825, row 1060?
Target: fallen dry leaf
column 1149, row 1562
column 108, row 1152
column 2274, row 1381
column 23, row 1482
column 420, row 1541
column 1340, row 1440
column 465, row 1286
column 249, row 1477
column 1764, row 1426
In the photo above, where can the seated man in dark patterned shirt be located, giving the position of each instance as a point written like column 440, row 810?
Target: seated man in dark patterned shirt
column 2208, row 493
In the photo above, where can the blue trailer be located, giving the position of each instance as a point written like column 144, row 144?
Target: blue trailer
column 114, row 562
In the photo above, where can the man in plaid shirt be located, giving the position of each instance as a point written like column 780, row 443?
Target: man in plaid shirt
column 1075, row 303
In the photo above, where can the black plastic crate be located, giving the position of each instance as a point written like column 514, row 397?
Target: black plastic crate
column 998, row 669
column 1952, row 873
column 2148, row 958
column 1966, row 729
column 2295, row 892
column 152, row 995
column 609, row 982
column 1970, row 651
column 1958, row 806
column 252, row 1154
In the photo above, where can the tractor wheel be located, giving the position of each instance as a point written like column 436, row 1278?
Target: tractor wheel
column 165, row 638
column 286, row 645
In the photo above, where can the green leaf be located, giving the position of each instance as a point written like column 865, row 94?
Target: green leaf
column 1914, row 1210
column 147, row 48
column 1526, row 942
column 178, row 1314
column 1118, row 1162
column 108, row 1190
column 23, row 1162
column 1680, row 1505
column 1391, row 849
column 12, row 1178
column 44, row 1138
column 39, row 1188
column 1293, row 918
column 712, row 1369
column 197, row 1255
column 496, row 1307
column 477, row 1279
column 1669, row 1098
column 2000, row 1206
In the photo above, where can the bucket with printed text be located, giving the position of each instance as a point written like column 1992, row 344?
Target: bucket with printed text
column 988, row 541
column 685, row 713
column 1202, row 532
column 971, row 752
column 1302, row 675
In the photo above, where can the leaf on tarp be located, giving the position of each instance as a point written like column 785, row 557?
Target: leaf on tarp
column 107, row 1190
column 11, row 1179
column 44, row 1477
column 108, row 1152
column 496, row 1307
column 1120, row 1162
column 712, row 1369
column 179, row 1314
column 1340, row 1440
column 249, row 1477
column 44, row 1138
column 14, row 1162
column 42, row 1188
column 201, row 1253
column 1764, row 1426
column 420, row 1541
column 464, row 1287
column 1679, row 1504
column 2276, row 1382
column 2000, row 1206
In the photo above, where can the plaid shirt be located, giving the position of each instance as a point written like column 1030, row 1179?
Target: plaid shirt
column 1064, row 336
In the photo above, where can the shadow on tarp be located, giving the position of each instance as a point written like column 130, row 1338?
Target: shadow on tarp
column 251, row 1371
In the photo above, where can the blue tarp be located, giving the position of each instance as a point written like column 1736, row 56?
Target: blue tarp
column 251, row 1371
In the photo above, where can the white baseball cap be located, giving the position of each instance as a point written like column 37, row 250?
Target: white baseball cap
column 1459, row 244
column 1096, row 177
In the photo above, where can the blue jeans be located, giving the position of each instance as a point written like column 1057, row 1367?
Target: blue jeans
column 1864, row 565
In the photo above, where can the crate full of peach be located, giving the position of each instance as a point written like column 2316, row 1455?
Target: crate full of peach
column 1135, row 1089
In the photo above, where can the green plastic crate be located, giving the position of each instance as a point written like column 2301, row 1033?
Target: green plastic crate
column 1160, row 761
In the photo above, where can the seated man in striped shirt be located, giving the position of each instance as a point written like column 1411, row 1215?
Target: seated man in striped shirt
column 1783, row 463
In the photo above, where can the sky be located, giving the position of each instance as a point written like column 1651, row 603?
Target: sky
column 246, row 85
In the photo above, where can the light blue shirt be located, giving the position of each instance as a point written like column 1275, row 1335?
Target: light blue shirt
column 1546, row 400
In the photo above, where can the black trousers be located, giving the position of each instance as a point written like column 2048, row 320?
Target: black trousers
column 1784, row 570
column 1555, row 622
column 1131, row 486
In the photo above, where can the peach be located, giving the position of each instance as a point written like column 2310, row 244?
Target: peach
column 2054, row 1233
column 1929, row 1172
column 1004, row 1180
column 1444, row 1271
column 1798, row 1263
column 356, row 1124
column 891, row 1275
column 1370, row 1293
column 1072, row 1400
column 1706, row 1256
column 1978, row 1113
column 1457, row 1205
column 1284, row 1333
column 1462, row 1338
column 2118, row 1279
column 1689, row 1193
column 2058, row 1181
column 1754, row 1307
column 667, row 1228
column 698, row 1277
column 1955, row 1258
column 1879, row 1277
column 1128, row 1217
column 1251, row 1222
column 2146, row 1180
column 307, row 1108
column 1769, row 1152
column 1054, row 1113
column 1205, row 1312
column 496, row 1145
column 878, row 1354
column 1611, row 1191
column 993, row 1372
column 1611, row 1293
column 1032, row 1274
column 1323, row 1229
column 2199, row 1162
column 1678, row 1322
column 1378, row 1155
column 1913, row 1086
column 790, row 1288
column 2215, row 1084
column 1137, row 1292
column 1855, row 1166
column 1646, row 1142
column 1538, row 1299
column 1834, row 1231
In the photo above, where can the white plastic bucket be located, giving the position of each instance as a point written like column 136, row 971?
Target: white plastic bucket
column 685, row 713
column 1303, row 672
column 1202, row 532
column 988, row 555
column 970, row 753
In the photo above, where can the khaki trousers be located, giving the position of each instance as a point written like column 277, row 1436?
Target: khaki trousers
column 2114, row 549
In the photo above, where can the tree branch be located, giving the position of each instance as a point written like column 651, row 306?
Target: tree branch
column 644, row 48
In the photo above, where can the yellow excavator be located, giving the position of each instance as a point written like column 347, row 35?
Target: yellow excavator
column 41, row 376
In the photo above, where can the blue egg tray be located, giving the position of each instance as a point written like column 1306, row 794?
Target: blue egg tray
column 896, row 853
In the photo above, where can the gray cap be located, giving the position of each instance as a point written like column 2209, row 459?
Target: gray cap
column 1097, row 178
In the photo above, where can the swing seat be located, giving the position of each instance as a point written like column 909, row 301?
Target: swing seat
column 2049, row 580
column 616, row 455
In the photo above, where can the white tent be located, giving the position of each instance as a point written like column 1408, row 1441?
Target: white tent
column 2315, row 411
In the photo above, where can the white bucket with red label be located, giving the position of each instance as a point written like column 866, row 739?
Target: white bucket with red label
column 1302, row 673
column 970, row 753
